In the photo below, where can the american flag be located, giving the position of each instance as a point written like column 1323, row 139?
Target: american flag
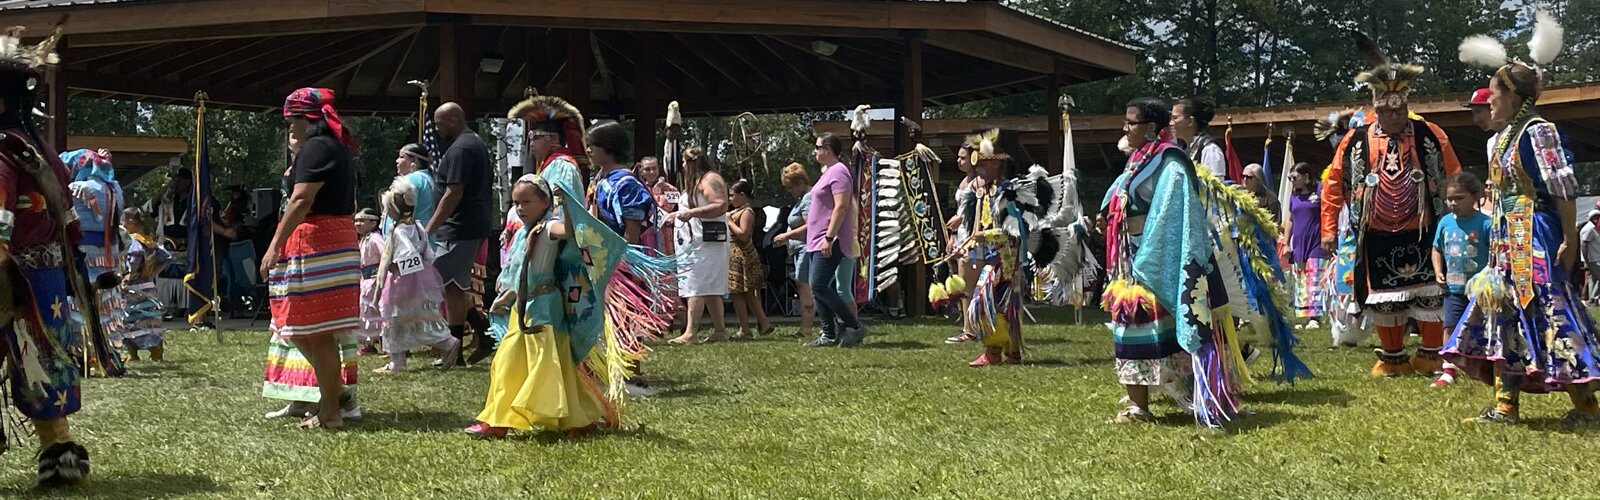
column 430, row 140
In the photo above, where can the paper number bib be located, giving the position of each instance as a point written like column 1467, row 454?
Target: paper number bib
column 406, row 257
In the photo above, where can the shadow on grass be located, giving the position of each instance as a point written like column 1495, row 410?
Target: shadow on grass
column 903, row 345
column 408, row 421
column 158, row 485
column 1057, row 363
column 1289, row 395
column 682, row 386
column 635, row 433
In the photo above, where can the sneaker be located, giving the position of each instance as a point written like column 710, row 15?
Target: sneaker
column 1251, row 354
column 852, row 337
column 351, row 413
column 822, row 341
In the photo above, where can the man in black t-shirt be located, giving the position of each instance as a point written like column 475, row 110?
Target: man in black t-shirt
column 462, row 218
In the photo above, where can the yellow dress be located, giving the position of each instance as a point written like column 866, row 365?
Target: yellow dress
column 534, row 383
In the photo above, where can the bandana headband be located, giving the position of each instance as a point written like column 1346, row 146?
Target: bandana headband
column 317, row 104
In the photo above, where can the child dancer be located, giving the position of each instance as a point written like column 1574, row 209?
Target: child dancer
column 534, row 380
column 408, row 288
column 1460, row 250
column 142, row 329
column 371, row 250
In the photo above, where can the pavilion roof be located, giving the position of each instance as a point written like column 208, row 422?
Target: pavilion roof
column 716, row 57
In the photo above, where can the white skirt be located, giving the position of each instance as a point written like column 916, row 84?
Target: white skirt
column 702, row 266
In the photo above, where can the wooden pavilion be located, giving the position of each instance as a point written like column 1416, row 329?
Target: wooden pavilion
column 1036, row 139
column 611, row 58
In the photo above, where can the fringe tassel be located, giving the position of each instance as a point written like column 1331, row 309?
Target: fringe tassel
column 1130, row 303
column 981, row 309
column 1216, row 400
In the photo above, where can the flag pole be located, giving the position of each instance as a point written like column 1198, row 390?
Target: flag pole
column 422, row 107
column 200, row 98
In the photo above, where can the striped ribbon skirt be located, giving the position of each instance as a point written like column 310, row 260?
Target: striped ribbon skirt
column 315, row 287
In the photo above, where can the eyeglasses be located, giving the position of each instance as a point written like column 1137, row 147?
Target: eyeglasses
column 1136, row 123
column 1248, row 176
column 819, row 147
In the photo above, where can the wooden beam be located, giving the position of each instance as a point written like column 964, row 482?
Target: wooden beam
column 284, row 50
column 1061, row 41
column 741, row 50
column 458, row 67
column 123, row 23
column 400, row 64
column 713, row 58
column 800, row 67
column 295, row 69
column 647, row 100
column 173, row 69
column 580, row 70
column 910, row 108
column 1056, row 161
column 130, row 144
column 993, row 50
column 807, row 50
column 355, row 65
column 56, row 105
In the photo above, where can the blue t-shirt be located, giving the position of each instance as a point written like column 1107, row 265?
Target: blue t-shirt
column 1465, row 246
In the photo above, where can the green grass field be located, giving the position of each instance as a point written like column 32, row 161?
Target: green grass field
column 902, row 417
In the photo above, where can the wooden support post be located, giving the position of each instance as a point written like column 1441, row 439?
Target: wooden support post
column 1052, row 95
column 580, row 68
column 458, row 67
column 647, row 101
column 56, row 131
column 916, row 292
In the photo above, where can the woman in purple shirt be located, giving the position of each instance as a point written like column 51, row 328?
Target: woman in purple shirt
column 830, row 241
column 1303, row 250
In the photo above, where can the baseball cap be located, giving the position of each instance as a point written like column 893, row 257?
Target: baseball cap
column 1479, row 97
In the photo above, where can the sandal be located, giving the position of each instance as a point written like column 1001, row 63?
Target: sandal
column 681, row 340
column 315, row 422
column 384, row 370
column 768, row 331
column 714, row 338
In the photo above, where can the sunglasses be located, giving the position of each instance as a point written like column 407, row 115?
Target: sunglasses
column 1137, row 123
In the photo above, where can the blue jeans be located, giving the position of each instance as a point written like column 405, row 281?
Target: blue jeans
column 824, row 286
column 1455, row 305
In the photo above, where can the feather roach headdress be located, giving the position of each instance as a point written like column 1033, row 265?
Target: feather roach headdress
column 544, row 113
column 1389, row 81
column 30, row 60
column 1488, row 52
column 985, row 146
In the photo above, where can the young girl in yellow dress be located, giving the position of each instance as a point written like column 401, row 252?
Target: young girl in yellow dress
column 535, row 378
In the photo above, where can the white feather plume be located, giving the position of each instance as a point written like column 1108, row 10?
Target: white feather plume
column 1546, row 42
column 1483, row 50
column 674, row 117
column 859, row 120
column 986, row 148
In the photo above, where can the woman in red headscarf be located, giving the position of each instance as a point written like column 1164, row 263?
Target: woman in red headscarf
column 313, row 266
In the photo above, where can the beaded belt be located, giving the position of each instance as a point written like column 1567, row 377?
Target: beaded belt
column 40, row 257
